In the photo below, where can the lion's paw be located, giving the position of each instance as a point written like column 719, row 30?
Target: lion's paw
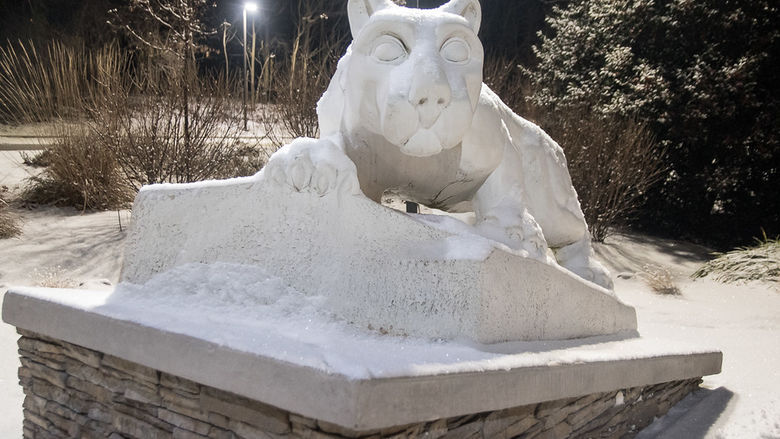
column 313, row 165
column 578, row 258
column 593, row 271
column 516, row 229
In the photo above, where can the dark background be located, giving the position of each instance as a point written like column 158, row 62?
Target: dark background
column 509, row 26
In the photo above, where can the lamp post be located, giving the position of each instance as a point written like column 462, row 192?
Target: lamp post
column 252, row 8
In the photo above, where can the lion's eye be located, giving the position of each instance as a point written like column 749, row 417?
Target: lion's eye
column 388, row 49
column 455, row 50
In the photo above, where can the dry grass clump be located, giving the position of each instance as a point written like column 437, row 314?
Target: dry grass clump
column 53, row 277
column 9, row 223
column 60, row 82
column 40, row 82
column 39, row 159
column 140, row 126
column 660, row 280
column 79, row 173
column 760, row 262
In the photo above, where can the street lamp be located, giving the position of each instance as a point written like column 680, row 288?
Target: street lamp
column 252, row 8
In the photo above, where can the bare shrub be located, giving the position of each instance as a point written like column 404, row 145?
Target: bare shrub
column 613, row 160
column 174, row 32
column 246, row 160
column 53, row 80
column 80, row 173
column 38, row 159
column 296, row 108
column 137, row 134
column 152, row 140
column 760, row 262
column 660, row 280
column 301, row 79
column 503, row 75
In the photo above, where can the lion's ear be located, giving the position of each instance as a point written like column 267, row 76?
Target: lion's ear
column 360, row 11
column 469, row 9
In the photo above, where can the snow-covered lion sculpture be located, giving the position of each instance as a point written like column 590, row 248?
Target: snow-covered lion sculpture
column 407, row 112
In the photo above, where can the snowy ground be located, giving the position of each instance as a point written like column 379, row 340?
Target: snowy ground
column 742, row 321
column 66, row 247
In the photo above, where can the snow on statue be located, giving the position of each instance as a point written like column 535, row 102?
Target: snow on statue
column 407, row 112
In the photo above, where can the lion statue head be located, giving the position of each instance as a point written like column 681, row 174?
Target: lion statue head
column 414, row 76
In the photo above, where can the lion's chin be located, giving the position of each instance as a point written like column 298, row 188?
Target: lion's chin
column 423, row 143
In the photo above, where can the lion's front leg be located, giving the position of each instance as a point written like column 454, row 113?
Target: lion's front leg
column 506, row 214
column 528, row 202
column 577, row 257
column 535, row 164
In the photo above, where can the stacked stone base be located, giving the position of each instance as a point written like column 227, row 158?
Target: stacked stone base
column 74, row 392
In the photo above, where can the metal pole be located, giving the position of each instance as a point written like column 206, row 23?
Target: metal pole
column 245, row 76
column 252, row 66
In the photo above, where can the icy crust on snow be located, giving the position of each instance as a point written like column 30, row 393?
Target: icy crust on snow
column 243, row 308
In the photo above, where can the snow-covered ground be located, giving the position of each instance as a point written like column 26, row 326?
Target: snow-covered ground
column 743, row 321
column 66, row 247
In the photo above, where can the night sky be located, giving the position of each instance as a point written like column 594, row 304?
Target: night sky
column 509, row 26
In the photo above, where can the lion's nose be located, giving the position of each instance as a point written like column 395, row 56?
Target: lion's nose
column 430, row 94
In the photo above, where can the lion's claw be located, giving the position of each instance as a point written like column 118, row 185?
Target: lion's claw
column 300, row 172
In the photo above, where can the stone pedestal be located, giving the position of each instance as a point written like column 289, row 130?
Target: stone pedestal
column 87, row 374
column 76, row 392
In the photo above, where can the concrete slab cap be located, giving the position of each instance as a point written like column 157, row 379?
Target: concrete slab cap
column 358, row 404
column 422, row 275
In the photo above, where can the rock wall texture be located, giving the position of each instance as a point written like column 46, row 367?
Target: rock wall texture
column 74, row 392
